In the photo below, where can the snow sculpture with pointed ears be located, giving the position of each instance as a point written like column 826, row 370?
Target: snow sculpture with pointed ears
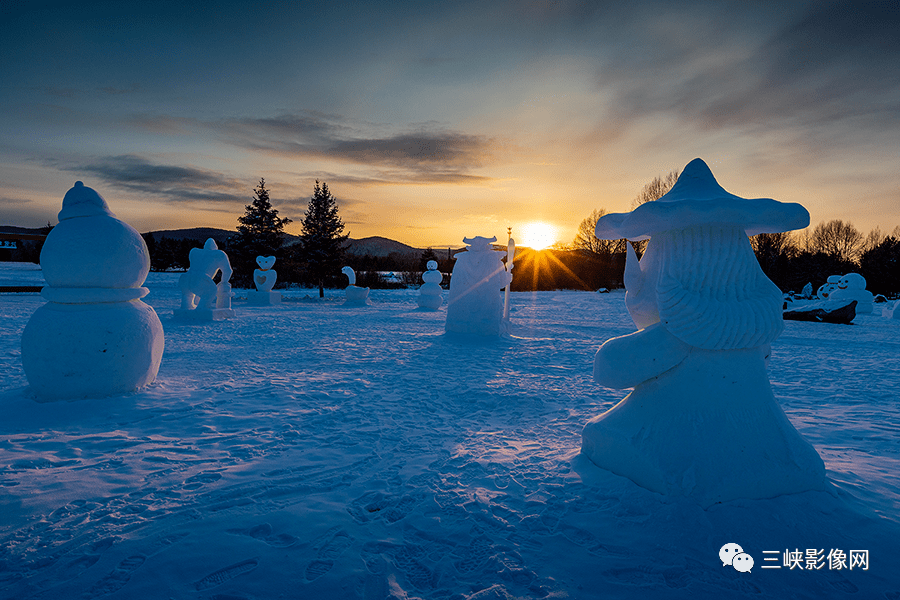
column 702, row 421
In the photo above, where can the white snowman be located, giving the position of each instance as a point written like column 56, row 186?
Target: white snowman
column 264, row 279
column 829, row 286
column 94, row 337
column 430, row 293
column 852, row 286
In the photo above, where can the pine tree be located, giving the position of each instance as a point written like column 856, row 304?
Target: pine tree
column 260, row 233
column 321, row 239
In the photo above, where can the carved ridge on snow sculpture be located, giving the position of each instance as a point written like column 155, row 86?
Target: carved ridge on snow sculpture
column 201, row 298
column 706, row 315
column 94, row 337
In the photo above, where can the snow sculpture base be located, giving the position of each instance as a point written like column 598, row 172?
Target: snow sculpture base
column 91, row 350
column 427, row 302
column 263, row 298
column 709, row 429
column 356, row 296
column 204, row 314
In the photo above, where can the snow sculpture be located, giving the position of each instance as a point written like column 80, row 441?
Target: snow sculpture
column 702, row 421
column 829, row 286
column 201, row 298
column 474, row 306
column 891, row 311
column 94, row 337
column 852, row 286
column 430, row 293
column 806, row 292
column 356, row 296
column 264, row 278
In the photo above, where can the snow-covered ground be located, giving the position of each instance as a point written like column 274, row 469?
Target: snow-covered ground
column 312, row 450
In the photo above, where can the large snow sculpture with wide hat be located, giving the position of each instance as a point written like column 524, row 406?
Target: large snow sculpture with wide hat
column 478, row 276
column 94, row 337
column 702, row 421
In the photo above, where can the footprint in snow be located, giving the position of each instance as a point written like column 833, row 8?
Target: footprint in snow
column 264, row 533
column 334, row 545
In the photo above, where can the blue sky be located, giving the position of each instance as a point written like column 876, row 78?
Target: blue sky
column 431, row 121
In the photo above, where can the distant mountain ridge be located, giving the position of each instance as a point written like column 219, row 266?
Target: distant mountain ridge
column 372, row 246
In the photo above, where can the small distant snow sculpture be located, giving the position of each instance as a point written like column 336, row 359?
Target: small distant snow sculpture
column 264, row 278
column 852, row 286
column 94, row 337
column 829, row 286
column 474, row 306
column 201, row 298
column 355, row 296
column 430, row 293
column 806, row 292
column 702, row 421
column 891, row 311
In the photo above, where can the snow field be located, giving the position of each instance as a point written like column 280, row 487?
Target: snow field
column 313, row 450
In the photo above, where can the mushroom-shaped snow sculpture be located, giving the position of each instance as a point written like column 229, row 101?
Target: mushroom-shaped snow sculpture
column 702, row 421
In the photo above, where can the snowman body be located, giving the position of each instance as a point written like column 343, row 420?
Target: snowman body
column 430, row 293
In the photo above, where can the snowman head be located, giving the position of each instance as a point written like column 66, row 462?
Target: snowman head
column 852, row 281
column 265, row 262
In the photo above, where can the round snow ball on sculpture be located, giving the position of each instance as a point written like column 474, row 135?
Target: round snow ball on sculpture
column 702, row 421
column 474, row 306
column 94, row 337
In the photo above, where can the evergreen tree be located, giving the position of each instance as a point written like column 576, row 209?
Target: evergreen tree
column 321, row 239
column 427, row 255
column 260, row 233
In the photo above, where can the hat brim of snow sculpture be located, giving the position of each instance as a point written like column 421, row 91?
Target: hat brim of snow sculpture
column 698, row 199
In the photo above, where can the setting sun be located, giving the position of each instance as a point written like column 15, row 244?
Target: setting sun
column 538, row 236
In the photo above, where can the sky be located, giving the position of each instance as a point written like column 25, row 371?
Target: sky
column 433, row 121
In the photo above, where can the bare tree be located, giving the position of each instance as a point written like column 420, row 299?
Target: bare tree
column 773, row 244
column 837, row 239
column 875, row 237
column 586, row 240
column 656, row 189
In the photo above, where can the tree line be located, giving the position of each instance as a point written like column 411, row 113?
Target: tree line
column 790, row 259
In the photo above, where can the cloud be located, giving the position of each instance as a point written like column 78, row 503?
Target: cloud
column 427, row 154
column 761, row 68
column 169, row 182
